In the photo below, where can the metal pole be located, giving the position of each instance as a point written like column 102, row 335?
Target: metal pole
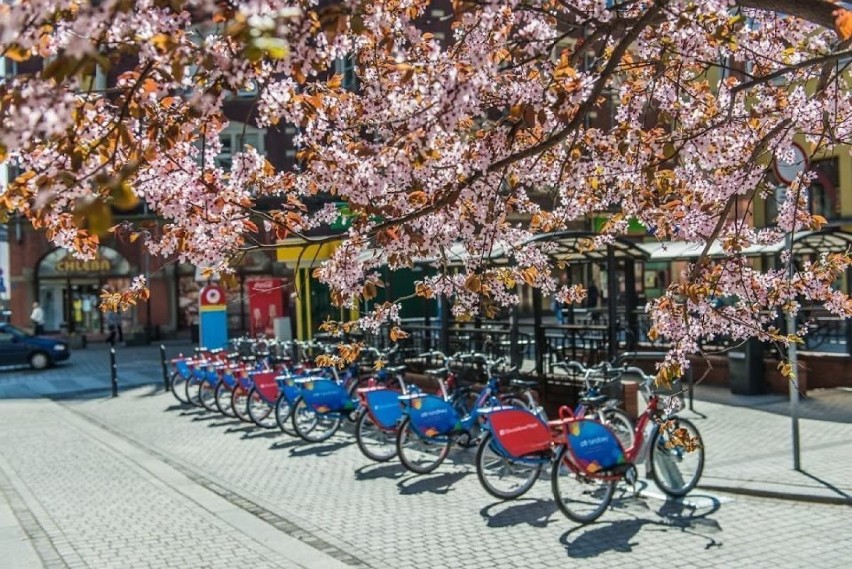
column 612, row 298
column 538, row 331
column 793, row 359
column 165, row 367
column 113, row 373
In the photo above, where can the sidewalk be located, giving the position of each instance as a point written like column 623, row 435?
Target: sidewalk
column 748, row 441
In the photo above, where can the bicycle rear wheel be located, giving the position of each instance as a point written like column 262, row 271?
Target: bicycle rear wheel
column 313, row 427
column 621, row 425
column 223, row 399
column 503, row 477
column 580, row 497
column 676, row 470
column 259, row 411
column 420, row 455
column 374, row 442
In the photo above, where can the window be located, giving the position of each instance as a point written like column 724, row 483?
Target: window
column 345, row 67
column 824, row 192
column 235, row 138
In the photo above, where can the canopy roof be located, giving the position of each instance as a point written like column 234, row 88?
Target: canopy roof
column 832, row 240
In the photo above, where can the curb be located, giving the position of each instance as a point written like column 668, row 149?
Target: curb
column 779, row 495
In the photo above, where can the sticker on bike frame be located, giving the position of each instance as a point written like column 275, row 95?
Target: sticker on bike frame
column 593, row 446
column 432, row 416
column 384, row 407
column 326, row 396
column 519, row 432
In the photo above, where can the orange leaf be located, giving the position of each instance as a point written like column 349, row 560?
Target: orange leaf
column 843, row 23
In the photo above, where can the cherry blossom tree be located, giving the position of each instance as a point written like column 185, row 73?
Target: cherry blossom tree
column 445, row 142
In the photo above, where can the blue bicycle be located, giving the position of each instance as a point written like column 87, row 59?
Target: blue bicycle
column 432, row 423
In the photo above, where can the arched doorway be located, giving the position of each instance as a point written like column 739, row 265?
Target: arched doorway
column 69, row 288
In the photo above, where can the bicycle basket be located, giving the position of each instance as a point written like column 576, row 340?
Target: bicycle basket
column 593, row 446
column 519, row 432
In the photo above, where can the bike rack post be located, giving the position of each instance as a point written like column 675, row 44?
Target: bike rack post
column 165, row 367
column 113, row 372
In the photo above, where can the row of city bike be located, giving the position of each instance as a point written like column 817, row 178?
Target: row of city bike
column 588, row 449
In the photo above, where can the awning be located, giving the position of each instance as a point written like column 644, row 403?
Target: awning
column 833, row 240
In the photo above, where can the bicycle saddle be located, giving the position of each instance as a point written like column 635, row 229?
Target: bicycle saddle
column 594, row 400
column 524, row 383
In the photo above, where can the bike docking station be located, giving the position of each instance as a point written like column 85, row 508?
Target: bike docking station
column 213, row 317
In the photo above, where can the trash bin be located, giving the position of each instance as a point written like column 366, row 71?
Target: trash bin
column 745, row 368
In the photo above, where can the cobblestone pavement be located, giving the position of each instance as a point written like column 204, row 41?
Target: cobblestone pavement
column 374, row 515
column 86, row 498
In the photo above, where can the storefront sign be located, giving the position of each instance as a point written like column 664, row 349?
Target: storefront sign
column 70, row 264
column 61, row 263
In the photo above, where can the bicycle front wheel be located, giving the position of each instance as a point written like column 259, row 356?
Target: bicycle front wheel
column 374, row 442
column 311, row 426
column 239, row 404
column 259, row 411
column 420, row 455
column 192, row 388
column 675, row 469
column 503, row 477
column 207, row 395
column 580, row 497
column 178, row 386
column 283, row 410
column 223, row 399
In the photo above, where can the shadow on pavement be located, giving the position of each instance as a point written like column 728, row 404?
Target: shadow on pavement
column 622, row 535
column 440, row 484
column 320, row 450
column 828, row 485
column 536, row 513
column 290, row 443
column 374, row 471
column 263, row 434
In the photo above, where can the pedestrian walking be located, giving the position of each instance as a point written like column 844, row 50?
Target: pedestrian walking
column 114, row 326
column 37, row 318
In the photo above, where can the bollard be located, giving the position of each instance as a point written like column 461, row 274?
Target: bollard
column 165, row 367
column 631, row 389
column 113, row 372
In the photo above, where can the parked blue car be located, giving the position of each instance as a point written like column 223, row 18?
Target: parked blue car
column 18, row 347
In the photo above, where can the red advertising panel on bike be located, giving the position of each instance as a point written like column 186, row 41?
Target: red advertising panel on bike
column 519, row 432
